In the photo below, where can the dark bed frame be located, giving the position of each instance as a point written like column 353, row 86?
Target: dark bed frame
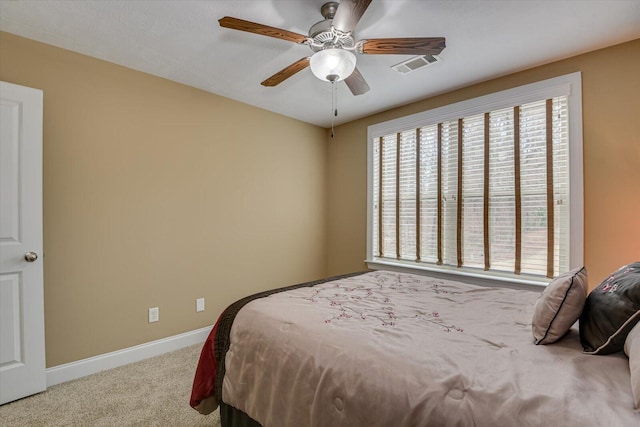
column 232, row 417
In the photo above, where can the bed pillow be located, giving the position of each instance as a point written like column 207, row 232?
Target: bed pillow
column 559, row 306
column 632, row 349
column 611, row 311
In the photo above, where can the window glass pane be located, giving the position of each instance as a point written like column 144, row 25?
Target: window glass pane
column 449, row 191
column 473, row 191
column 408, row 196
column 389, row 158
column 502, row 208
column 560, row 122
column 429, row 193
column 533, row 179
column 376, row 197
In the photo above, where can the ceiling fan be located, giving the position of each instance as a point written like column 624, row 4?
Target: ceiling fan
column 333, row 45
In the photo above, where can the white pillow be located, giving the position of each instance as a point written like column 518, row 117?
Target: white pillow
column 559, row 306
column 632, row 349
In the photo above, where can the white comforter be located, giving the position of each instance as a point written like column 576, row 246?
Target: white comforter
column 392, row 349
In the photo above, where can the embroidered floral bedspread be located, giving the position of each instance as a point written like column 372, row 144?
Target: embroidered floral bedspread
column 393, row 349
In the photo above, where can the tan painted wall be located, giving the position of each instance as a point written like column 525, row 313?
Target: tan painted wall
column 611, row 127
column 156, row 194
column 152, row 191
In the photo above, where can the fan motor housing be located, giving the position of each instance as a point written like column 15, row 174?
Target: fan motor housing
column 324, row 36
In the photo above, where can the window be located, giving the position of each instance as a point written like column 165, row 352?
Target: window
column 489, row 187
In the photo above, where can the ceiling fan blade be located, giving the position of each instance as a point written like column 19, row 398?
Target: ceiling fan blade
column 404, row 46
column 356, row 83
column 265, row 30
column 349, row 13
column 286, row 72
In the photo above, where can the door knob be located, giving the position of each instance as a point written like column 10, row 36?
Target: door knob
column 31, row 256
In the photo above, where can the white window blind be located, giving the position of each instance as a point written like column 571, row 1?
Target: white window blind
column 486, row 191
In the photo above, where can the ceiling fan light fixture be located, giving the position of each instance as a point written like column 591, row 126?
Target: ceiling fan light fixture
column 332, row 64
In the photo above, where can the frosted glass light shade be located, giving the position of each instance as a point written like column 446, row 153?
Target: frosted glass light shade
column 333, row 64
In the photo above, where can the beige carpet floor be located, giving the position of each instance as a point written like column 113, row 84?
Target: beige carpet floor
column 152, row 392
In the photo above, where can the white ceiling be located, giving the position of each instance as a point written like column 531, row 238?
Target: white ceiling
column 181, row 40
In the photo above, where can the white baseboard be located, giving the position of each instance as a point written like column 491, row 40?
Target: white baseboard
column 81, row 368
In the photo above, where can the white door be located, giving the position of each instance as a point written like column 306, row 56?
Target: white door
column 22, row 357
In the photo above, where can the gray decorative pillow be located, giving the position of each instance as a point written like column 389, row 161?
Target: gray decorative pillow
column 611, row 311
column 632, row 349
column 559, row 306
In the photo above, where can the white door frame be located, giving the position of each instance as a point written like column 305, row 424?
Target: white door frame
column 22, row 350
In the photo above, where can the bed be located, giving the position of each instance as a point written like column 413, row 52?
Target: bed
column 384, row 348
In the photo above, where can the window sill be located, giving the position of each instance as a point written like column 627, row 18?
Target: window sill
column 475, row 277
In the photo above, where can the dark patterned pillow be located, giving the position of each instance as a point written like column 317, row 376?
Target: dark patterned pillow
column 611, row 311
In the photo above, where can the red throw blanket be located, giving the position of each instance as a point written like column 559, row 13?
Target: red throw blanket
column 205, row 378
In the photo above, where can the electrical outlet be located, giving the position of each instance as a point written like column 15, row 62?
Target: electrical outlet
column 200, row 304
column 154, row 314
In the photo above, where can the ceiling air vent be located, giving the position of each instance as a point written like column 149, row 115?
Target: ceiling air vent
column 416, row 63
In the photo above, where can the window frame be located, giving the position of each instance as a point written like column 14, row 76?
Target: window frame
column 569, row 85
